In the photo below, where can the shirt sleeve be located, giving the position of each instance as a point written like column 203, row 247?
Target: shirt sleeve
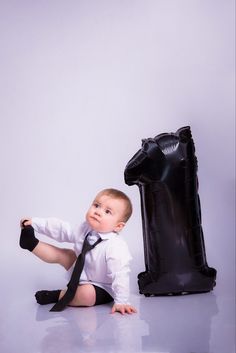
column 54, row 228
column 118, row 259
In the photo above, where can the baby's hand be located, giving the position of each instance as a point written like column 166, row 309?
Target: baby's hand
column 26, row 221
column 123, row 308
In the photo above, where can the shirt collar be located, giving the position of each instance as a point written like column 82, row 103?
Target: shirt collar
column 106, row 236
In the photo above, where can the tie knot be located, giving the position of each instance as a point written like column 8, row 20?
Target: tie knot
column 90, row 241
column 92, row 237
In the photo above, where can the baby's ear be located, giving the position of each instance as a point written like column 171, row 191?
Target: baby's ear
column 119, row 227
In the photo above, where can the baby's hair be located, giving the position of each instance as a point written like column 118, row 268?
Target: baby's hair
column 117, row 194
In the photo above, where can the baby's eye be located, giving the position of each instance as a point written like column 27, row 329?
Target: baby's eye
column 108, row 212
column 96, row 205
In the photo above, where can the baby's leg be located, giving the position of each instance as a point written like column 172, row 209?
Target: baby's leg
column 46, row 252
column 85, row 295
column 52, row 254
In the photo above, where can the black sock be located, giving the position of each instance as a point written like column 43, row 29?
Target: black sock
column 27, row 238
column 47, row 296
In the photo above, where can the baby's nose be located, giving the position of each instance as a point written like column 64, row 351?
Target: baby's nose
column 98, row 212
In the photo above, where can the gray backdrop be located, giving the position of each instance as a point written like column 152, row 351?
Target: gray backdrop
column 82, row 82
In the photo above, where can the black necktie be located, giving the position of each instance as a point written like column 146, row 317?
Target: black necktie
column 75, row 277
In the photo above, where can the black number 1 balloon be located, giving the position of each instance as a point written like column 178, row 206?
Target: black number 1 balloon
column 165, row 170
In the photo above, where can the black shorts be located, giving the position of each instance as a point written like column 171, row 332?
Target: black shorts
column 102, row 297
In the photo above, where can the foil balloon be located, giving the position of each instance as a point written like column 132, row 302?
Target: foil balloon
column 165, row 170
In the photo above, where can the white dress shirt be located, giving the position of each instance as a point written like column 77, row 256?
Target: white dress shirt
column 106, row 265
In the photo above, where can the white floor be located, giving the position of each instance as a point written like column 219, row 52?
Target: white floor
column 203, row 323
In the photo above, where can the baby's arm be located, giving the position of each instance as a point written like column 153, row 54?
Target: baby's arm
column 121, row 289
column 118, row 269
column 52, row 227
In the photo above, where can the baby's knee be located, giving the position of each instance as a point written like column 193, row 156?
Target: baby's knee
column 85, row 295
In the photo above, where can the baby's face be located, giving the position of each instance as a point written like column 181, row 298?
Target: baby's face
column 106, row 214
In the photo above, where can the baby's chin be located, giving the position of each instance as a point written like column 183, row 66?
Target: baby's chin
column 95, row 225
column 97, row 228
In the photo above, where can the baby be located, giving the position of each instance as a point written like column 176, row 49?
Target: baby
column 105, row 275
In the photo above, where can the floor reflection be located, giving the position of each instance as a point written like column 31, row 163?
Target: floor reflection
column 70, row 330
column 180, row 324
column 203, row 323
column 91, row 330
